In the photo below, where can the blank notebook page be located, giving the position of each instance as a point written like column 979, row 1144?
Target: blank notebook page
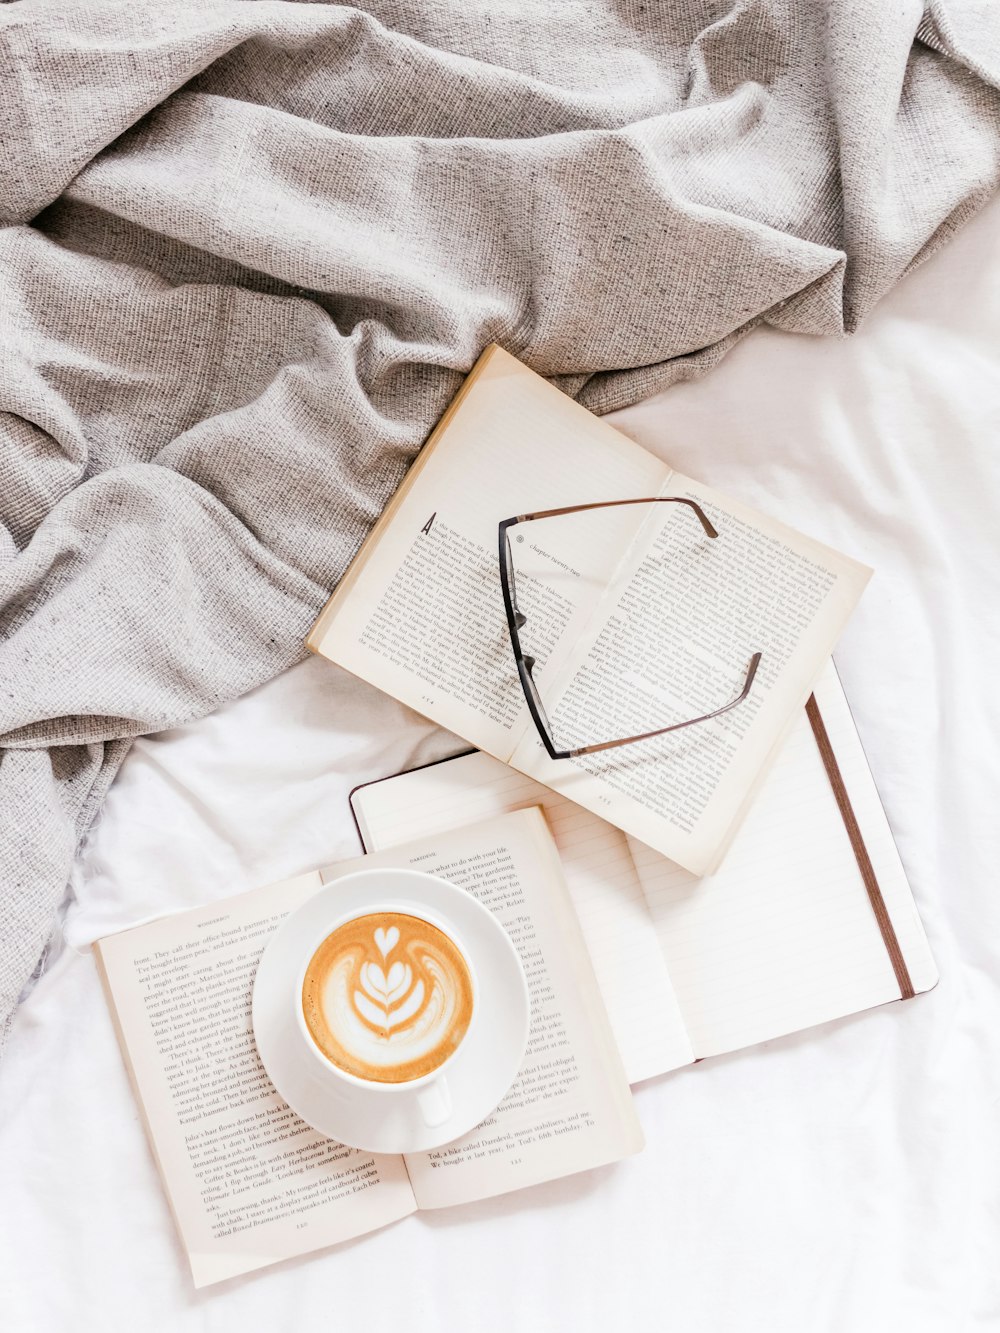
column 783, row 935
column 600, row 877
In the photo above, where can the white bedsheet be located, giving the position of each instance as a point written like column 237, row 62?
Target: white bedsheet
column 846, row 1179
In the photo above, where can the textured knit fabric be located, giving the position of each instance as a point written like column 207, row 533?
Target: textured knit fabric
column 248, row 250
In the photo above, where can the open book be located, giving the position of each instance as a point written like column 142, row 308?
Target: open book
column 248, row 1181
column 810, row 917
column 639, row 620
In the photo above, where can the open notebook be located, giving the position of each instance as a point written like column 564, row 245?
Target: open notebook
column 803, row 923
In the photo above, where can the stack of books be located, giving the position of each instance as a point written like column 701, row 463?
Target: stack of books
column 673, row 899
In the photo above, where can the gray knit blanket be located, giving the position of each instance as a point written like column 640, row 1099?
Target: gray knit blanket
column 248, row 250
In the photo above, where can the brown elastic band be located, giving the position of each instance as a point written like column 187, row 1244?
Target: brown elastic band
column 860, row 850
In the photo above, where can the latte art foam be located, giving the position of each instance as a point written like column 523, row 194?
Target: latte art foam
column 387, row 997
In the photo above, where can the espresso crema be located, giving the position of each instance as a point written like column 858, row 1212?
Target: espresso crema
column 387, row 997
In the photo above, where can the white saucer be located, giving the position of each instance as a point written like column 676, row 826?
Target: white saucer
column 479, row 1074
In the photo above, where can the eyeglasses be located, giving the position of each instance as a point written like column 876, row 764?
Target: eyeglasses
column 516, row 620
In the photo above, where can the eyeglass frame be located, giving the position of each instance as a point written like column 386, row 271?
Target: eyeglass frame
column 525, row 662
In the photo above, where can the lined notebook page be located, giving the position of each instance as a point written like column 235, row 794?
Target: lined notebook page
column 601, row 878
column 783, row 936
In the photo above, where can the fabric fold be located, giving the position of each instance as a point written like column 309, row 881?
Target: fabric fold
column 250, row 249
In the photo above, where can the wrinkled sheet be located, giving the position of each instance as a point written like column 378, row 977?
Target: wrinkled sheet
column 845, row 1180
column 247, row 251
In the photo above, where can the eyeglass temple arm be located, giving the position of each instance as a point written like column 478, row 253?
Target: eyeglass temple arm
column 677, row 726
column 610, row 504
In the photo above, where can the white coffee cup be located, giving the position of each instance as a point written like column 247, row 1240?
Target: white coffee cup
column 420, row 1113
column 430, row 1093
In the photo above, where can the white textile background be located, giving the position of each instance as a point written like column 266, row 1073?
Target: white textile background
column 839, row 1181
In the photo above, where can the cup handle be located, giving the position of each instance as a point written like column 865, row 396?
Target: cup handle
column 435, row 1102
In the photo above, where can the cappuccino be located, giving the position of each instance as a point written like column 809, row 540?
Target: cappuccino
column 387, row 997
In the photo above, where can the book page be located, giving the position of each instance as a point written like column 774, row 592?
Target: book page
column 570, row 1108
column 783, row 936
column 249, row 1183
column 600, row 877
column 421, row 613
column 671, row 640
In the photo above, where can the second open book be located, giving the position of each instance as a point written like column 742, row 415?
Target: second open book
column 635, row 618
column 810, row 918
column 249, row 1182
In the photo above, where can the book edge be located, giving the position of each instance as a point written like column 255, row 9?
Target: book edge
column 922, row 990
